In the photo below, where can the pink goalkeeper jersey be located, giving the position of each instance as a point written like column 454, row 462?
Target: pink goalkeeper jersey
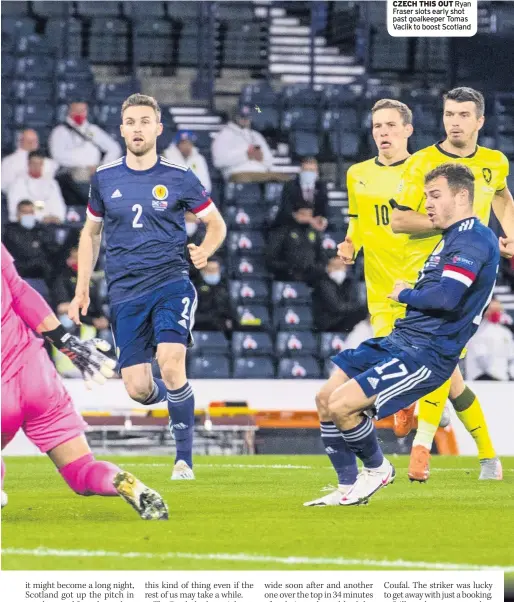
column 23, row 309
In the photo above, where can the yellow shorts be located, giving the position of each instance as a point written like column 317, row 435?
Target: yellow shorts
column 383, row 319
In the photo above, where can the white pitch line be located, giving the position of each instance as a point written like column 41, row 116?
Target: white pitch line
column 290, row 560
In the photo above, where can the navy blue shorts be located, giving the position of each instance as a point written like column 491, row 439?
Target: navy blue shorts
column 164, row 316
column 396, row 377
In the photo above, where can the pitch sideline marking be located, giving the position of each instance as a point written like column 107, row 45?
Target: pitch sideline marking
column 290, row 560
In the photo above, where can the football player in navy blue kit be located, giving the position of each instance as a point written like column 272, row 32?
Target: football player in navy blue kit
column 141, row 200
column 444, row 309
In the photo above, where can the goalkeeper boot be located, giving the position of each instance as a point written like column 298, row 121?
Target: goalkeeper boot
column 331, row 499
column 369, row 481
column 419, row 464
column 491, row 470
column 404, row 421
column 145, row 501
column 181, row 471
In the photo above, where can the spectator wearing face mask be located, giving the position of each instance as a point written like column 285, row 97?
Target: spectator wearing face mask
column 184, row 152
column 294, row 251
column 32, row 246
column 79, row 147
column 42, row 190
column 306, row 187
column 64, row 291
column 214, row 311
column 238, row 149
column 491, row 350
column 17, row 163
column 336, row 301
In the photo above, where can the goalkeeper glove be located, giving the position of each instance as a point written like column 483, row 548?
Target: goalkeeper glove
column 87, row 356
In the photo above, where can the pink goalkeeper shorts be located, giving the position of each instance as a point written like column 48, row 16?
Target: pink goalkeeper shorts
column 36, row 401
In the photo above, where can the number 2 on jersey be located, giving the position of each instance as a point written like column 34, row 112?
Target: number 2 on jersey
column 139, row 210
column 382, row 215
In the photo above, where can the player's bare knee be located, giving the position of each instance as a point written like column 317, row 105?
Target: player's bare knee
column 138, row 391
column 322, row 405
column 339, row 406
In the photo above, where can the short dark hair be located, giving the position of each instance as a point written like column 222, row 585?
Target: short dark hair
column 389, row 103
column 464, row 94
column 458, row 177
column 24, row 203
column 309, row 160
column 141, row 100
column 36, row 153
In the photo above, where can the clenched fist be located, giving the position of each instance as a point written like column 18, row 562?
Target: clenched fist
column 399, row 286
column 346, row 251
column 198, row 256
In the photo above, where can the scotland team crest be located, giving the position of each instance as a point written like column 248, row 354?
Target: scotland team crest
column 160, row 193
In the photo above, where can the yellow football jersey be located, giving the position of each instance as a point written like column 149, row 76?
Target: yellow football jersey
column 371, row 185
column 490, row 168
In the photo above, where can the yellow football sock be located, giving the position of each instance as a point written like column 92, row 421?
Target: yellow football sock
column 470, row 413
column 430, row 410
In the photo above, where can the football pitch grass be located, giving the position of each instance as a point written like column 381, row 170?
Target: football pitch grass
column 246, row 513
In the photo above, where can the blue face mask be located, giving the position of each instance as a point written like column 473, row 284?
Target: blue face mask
column 28, row 221
column 212, row 279
column 308, row 179
column 66, row 322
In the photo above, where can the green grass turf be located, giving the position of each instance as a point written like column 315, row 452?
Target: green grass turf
column 453, row 519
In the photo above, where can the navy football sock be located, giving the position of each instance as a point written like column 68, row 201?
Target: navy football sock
column 343, row 459
column 181, row 408
column 362, row 440
column 159, row 393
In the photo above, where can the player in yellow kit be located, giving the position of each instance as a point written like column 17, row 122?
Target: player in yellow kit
column 463, row 118
column 371, row 184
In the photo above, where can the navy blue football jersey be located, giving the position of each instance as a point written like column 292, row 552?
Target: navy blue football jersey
column 143, row 215
column 468, row 255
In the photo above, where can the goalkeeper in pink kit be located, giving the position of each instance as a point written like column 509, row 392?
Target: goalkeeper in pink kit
column 35, row 399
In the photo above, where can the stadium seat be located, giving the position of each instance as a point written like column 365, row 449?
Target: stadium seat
column 243, row 194
column 345, row 119
column 34, row 67
column 245, row 291
column 108, row 114
column 144, row 10
column 337, row 220
column 338, row 97
column 207, row 342
column 259, row 367
column 245, row 11
column 331, row 343
column 301, row 367
column 8, row 44
column 67, row 91
column 209, row 366
column 8, row 67
column 328, row 368
column 33, row 91
column 246, row 242
column 250, row 344
column 203, row 140
column 304, row 144
column 165, row 139
column 154, row 41
column 300, row 95
column 426, row 118
column 293, row 318
column 33, row 115
column 7, row 140
column 117, row 92
column 76, row 214
column 109, row 41
column 253, row 316
column 246, row 266
column 292, row 344
column 73, row 69
column 64, row 34
column 266, row 119
column 17, row 26
column 287, row 293
column 98, row 9
column 260, row 94
column 11, row 8
column 247, row 217
column 48, row 9
column 420, row 140
column 506, row 145
column 330, row 242
column 7, row 112
column 273, row 192
column 344, row 144
column 33, row 44
column 182, row 11
column 304, row 119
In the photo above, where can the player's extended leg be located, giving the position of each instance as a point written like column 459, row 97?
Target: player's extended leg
column 142, row 386
column 87, row 476
column 347, row 405
column 181, row 405
column 470, row 413
column 342, row 458
column 430, row 411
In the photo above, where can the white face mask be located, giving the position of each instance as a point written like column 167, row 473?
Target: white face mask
column 308, row 179
column 338, row 276
column 28, row 220
column 191, row 228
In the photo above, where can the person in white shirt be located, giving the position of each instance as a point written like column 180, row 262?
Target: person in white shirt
column 43, row 191
column 184, row 152
column 491, row 350
column 361, row 332
column 80, row 146
column 17, row 163
column 237, row 148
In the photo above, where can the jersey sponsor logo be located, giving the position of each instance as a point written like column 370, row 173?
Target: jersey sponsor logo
column 460, row 259
column 373, row 382
column 487, row 173
column 116, row 194
column 160, row 205
column 160, row 192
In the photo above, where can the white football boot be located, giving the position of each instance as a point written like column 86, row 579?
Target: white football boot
column 369, row 481
column 181, row 471
column 331, row 499
column 4, row 499
column 491, row 470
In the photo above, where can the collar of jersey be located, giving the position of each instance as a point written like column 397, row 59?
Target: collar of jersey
column 141, row 172
column 453, row 226
column 377, row 162
column 438, row 146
